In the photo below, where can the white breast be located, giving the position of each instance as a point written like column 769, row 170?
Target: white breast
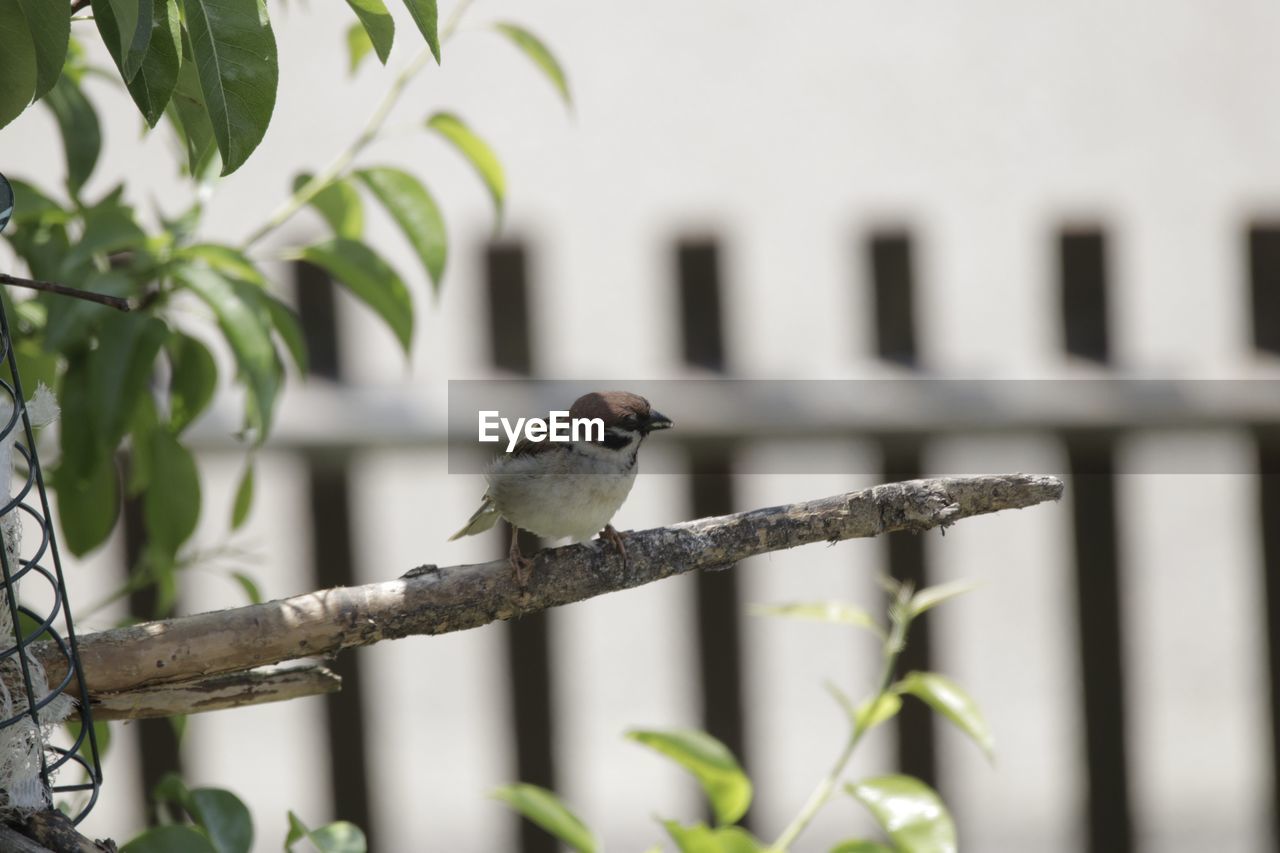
column 571, row 492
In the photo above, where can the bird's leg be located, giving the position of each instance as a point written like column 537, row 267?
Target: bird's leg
column 615, row 538
column 520, row 564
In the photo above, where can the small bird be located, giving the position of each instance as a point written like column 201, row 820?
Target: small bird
column 568, row 489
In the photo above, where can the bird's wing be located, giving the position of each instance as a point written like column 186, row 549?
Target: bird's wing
column 481, row 520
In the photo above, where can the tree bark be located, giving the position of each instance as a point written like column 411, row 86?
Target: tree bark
column 218, row 692
column 162, row 661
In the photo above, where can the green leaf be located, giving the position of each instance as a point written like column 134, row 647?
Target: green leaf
column 945, row 696
column 536, row 50
column 170, row 839
column 81, row 443
column 377, row 24
column 930, row 597
column 546, row 810
column 88, row 503
column 297, row 831
column 171, row 789
column 692, row 839
column 909, row 811
column 193, row 379
column 142, row 427
column 247, row 333
column 337, row 837
column 417, row 214
column 856, row 846
column 121, row 367
column 424, row 14
column 476, row 151
column 152, row 83
column 735, row 839
column 235, row 57
column 235, row 265
column 191, row 122
column 229, row 261
column 250, row 587
column 243, row 502
column 224, row 817
column 699, row 838
column 822, row 611
column 341, row 836
column 129, row 32
column 108, row 227
column 171, row 504
column 78, row 125
column 18, row 64
column 339, row 204
column 711, row 763
column 289, row 328
column 370, row 279
column 358, row 46
column 49, row 25
column 872, row 712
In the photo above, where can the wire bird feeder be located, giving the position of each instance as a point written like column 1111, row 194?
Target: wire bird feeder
column 31, row 708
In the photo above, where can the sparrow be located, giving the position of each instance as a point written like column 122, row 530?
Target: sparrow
column 557, row 489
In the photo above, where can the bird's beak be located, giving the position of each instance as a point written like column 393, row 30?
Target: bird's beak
column 657, row 420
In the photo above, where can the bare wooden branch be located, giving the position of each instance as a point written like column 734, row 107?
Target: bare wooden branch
column 219, row 692
column 432, row 600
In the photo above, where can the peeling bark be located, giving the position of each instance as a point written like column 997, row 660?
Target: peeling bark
column 218, row 692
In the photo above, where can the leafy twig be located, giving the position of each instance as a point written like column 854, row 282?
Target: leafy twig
column 304, row 194
column 900, row 617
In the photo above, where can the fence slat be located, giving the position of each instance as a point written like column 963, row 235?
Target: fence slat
column 528, row 643
column 333, row 558
column 157, row 742
column 711, row 493
column 1083, row 283
column 893, row 288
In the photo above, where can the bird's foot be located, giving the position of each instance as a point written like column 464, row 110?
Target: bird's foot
column 615, row 539
column 521, row 566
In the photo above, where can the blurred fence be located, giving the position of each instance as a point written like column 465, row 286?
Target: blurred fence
column 329, row 421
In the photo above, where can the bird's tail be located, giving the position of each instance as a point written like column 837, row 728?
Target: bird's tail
column 483, row 518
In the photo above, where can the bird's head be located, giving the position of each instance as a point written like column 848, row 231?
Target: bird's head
column 620, row 410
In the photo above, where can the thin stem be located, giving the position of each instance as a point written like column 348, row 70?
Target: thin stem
column 309, row 190
column 893, row 646
column 65, row 290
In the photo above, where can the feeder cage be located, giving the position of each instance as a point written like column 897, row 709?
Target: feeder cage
column 48, row 758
